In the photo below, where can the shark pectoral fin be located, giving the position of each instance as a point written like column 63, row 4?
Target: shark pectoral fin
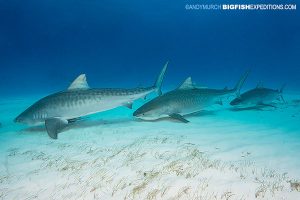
column 54, row 125
column 74, row 120
column 179, row 117
column 128, row 105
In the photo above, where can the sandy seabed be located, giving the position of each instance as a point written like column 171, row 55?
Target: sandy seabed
column 220, row 154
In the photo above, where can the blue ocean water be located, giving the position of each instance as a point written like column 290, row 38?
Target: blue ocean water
column 45, row 45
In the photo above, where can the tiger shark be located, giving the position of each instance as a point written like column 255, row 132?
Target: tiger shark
column 58, row 109
column 184, row 100
column 259, row 96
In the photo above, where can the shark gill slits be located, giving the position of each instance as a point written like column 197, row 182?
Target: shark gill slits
column 75, row 103
column 43, row 115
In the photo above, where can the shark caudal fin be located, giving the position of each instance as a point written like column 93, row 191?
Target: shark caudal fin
column 280, row 93
column 282, row 88
column 160, row 79
column 241, row 82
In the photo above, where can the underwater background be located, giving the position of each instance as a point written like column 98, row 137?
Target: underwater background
column 220, row 154
column 45, row 45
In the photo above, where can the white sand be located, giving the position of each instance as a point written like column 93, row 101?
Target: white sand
column 219, row 155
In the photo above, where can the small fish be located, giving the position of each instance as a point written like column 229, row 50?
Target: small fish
column 58, row 109
column 259, row 96
column 185, row 100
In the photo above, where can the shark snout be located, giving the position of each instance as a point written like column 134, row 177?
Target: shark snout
column 136, row 113
column 235, row 102
column 139, row 113
column 232, row 103
column 19, row 119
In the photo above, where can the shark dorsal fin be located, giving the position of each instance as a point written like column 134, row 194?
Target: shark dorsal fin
column 79, row 83
column 187, row 84
column 259, row 85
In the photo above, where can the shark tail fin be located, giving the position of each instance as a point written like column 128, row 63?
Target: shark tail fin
column 241, row 82
column 282, row 88
column 160, row 79
column 280, row 93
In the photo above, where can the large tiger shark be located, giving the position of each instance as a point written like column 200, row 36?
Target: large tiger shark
column 185, row 100
column 58, row 109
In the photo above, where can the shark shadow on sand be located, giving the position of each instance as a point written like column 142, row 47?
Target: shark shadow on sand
column 82, row 123
column 254, row 108
column 201, row 113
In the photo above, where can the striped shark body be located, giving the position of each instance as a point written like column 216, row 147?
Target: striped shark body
column 185, row 100
column 259, row 96
column 80, row 100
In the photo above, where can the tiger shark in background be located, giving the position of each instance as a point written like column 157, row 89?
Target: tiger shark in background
column 58, row 109
column 186, row 99
column 259, row 96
